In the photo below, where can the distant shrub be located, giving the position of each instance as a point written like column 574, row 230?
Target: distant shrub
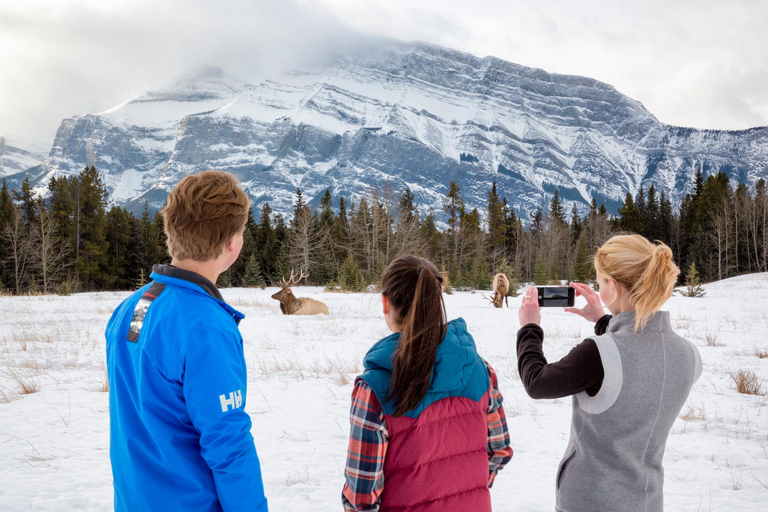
column 64, row 288
column 713, row 339
column 694, row 288
column 747, row 383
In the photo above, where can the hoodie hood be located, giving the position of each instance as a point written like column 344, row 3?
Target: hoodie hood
column 454, row 364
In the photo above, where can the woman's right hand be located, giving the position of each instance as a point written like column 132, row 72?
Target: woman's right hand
column 593, row 311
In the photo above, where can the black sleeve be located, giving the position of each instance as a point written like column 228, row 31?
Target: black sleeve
column 602, row 324
column 581, row 370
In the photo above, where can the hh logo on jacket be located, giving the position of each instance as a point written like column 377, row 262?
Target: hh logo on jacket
column 235, row 400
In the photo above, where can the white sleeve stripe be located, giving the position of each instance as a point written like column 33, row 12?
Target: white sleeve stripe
column 612, row 381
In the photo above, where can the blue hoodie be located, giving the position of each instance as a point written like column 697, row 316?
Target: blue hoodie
column 179, row 435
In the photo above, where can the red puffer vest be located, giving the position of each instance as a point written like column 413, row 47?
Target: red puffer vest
column 437, row 459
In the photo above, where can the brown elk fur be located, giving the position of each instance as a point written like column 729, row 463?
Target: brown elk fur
column 292, row 305
column 500, row 289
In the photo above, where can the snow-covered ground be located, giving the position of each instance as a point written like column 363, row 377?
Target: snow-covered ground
column 54, row 442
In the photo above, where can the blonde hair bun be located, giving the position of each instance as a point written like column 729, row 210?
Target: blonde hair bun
column 647, row 270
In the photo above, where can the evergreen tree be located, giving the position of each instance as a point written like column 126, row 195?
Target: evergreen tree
column 537, row 226
column 583, row 269
column 148, row 245
column 541, row 270
column 6, row 215
column 238, row 268
column 92, row 245
column 478, row 276
column 326, row 211
column 62, row 207
column 162, row 241
column 575, row 224
column 26, row 201
column 629, row 216
column 282, row 264
column 642, row 211
column 252, row 277
column 266, row 241
column 513, row 229
column 325, row 267
column 433, row 237
column 453, row 206
column 652, row 228
column 665, row 219
column 120, row 240
column 407, row 208
column 351, row 278
column 496, row 224
column 556, row 210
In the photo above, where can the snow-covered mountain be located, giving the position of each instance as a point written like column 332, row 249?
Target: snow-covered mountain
column 18, row 156
column 407, row 114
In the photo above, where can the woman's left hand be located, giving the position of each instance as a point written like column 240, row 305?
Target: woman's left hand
column 530, row 313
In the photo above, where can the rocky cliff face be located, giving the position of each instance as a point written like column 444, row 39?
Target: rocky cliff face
column 404, row 114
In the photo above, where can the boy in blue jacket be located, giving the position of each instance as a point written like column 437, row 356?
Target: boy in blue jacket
column 180, row 438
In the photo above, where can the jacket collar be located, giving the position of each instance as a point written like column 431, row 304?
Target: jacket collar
column 454, row 361
column 193, row 281
column 626, row 322
column 188, row 276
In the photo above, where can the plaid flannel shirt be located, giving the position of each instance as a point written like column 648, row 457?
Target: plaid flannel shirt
column 369, row 439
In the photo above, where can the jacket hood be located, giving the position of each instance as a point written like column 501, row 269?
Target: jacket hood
column 454, row 363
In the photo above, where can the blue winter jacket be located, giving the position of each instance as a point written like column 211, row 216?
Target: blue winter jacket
column 180, row 438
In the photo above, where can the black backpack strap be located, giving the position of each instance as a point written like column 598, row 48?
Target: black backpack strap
column 142, row 306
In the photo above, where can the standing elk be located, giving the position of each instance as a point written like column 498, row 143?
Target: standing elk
column 292, row 305
column 500, row 290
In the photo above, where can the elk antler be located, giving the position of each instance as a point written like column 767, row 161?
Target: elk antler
column 486, row 298
column 293, row 280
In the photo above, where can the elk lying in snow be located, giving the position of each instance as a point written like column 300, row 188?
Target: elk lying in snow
column 292, row 305
column 500, row 289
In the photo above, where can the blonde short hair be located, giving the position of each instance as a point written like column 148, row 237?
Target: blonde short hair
column 202, row 213
column 645, row 269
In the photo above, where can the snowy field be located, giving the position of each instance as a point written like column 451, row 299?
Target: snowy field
column 54, row 409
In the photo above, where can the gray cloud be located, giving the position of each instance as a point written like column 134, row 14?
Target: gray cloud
column 88, row 58
column 691, row 63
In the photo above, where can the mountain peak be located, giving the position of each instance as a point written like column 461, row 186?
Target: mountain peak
column 398, row 114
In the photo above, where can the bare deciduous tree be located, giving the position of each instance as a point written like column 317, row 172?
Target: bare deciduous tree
column 17, row 238
column 50, row 255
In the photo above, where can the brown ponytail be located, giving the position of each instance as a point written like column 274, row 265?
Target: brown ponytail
column 413, row 287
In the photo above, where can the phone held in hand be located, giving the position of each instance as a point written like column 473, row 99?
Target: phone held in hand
column 556, row 296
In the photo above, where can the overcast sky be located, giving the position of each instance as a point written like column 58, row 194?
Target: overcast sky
column 692, row 63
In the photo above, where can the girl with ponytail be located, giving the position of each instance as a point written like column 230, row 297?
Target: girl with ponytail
column 428, row 431
column 628, row 382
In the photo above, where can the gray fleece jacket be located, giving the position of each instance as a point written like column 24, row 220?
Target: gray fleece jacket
column 614, row 457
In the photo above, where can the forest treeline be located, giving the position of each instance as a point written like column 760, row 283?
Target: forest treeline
column 70, row 239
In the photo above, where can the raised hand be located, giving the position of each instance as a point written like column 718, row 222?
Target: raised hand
column 593, row 311
column 530, row 312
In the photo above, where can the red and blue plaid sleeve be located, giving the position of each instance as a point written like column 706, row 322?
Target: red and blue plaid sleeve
column 499, row 449
column 368, row 441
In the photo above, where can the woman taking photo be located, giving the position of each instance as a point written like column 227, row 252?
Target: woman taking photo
column 629, row 381
column 428, row 431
